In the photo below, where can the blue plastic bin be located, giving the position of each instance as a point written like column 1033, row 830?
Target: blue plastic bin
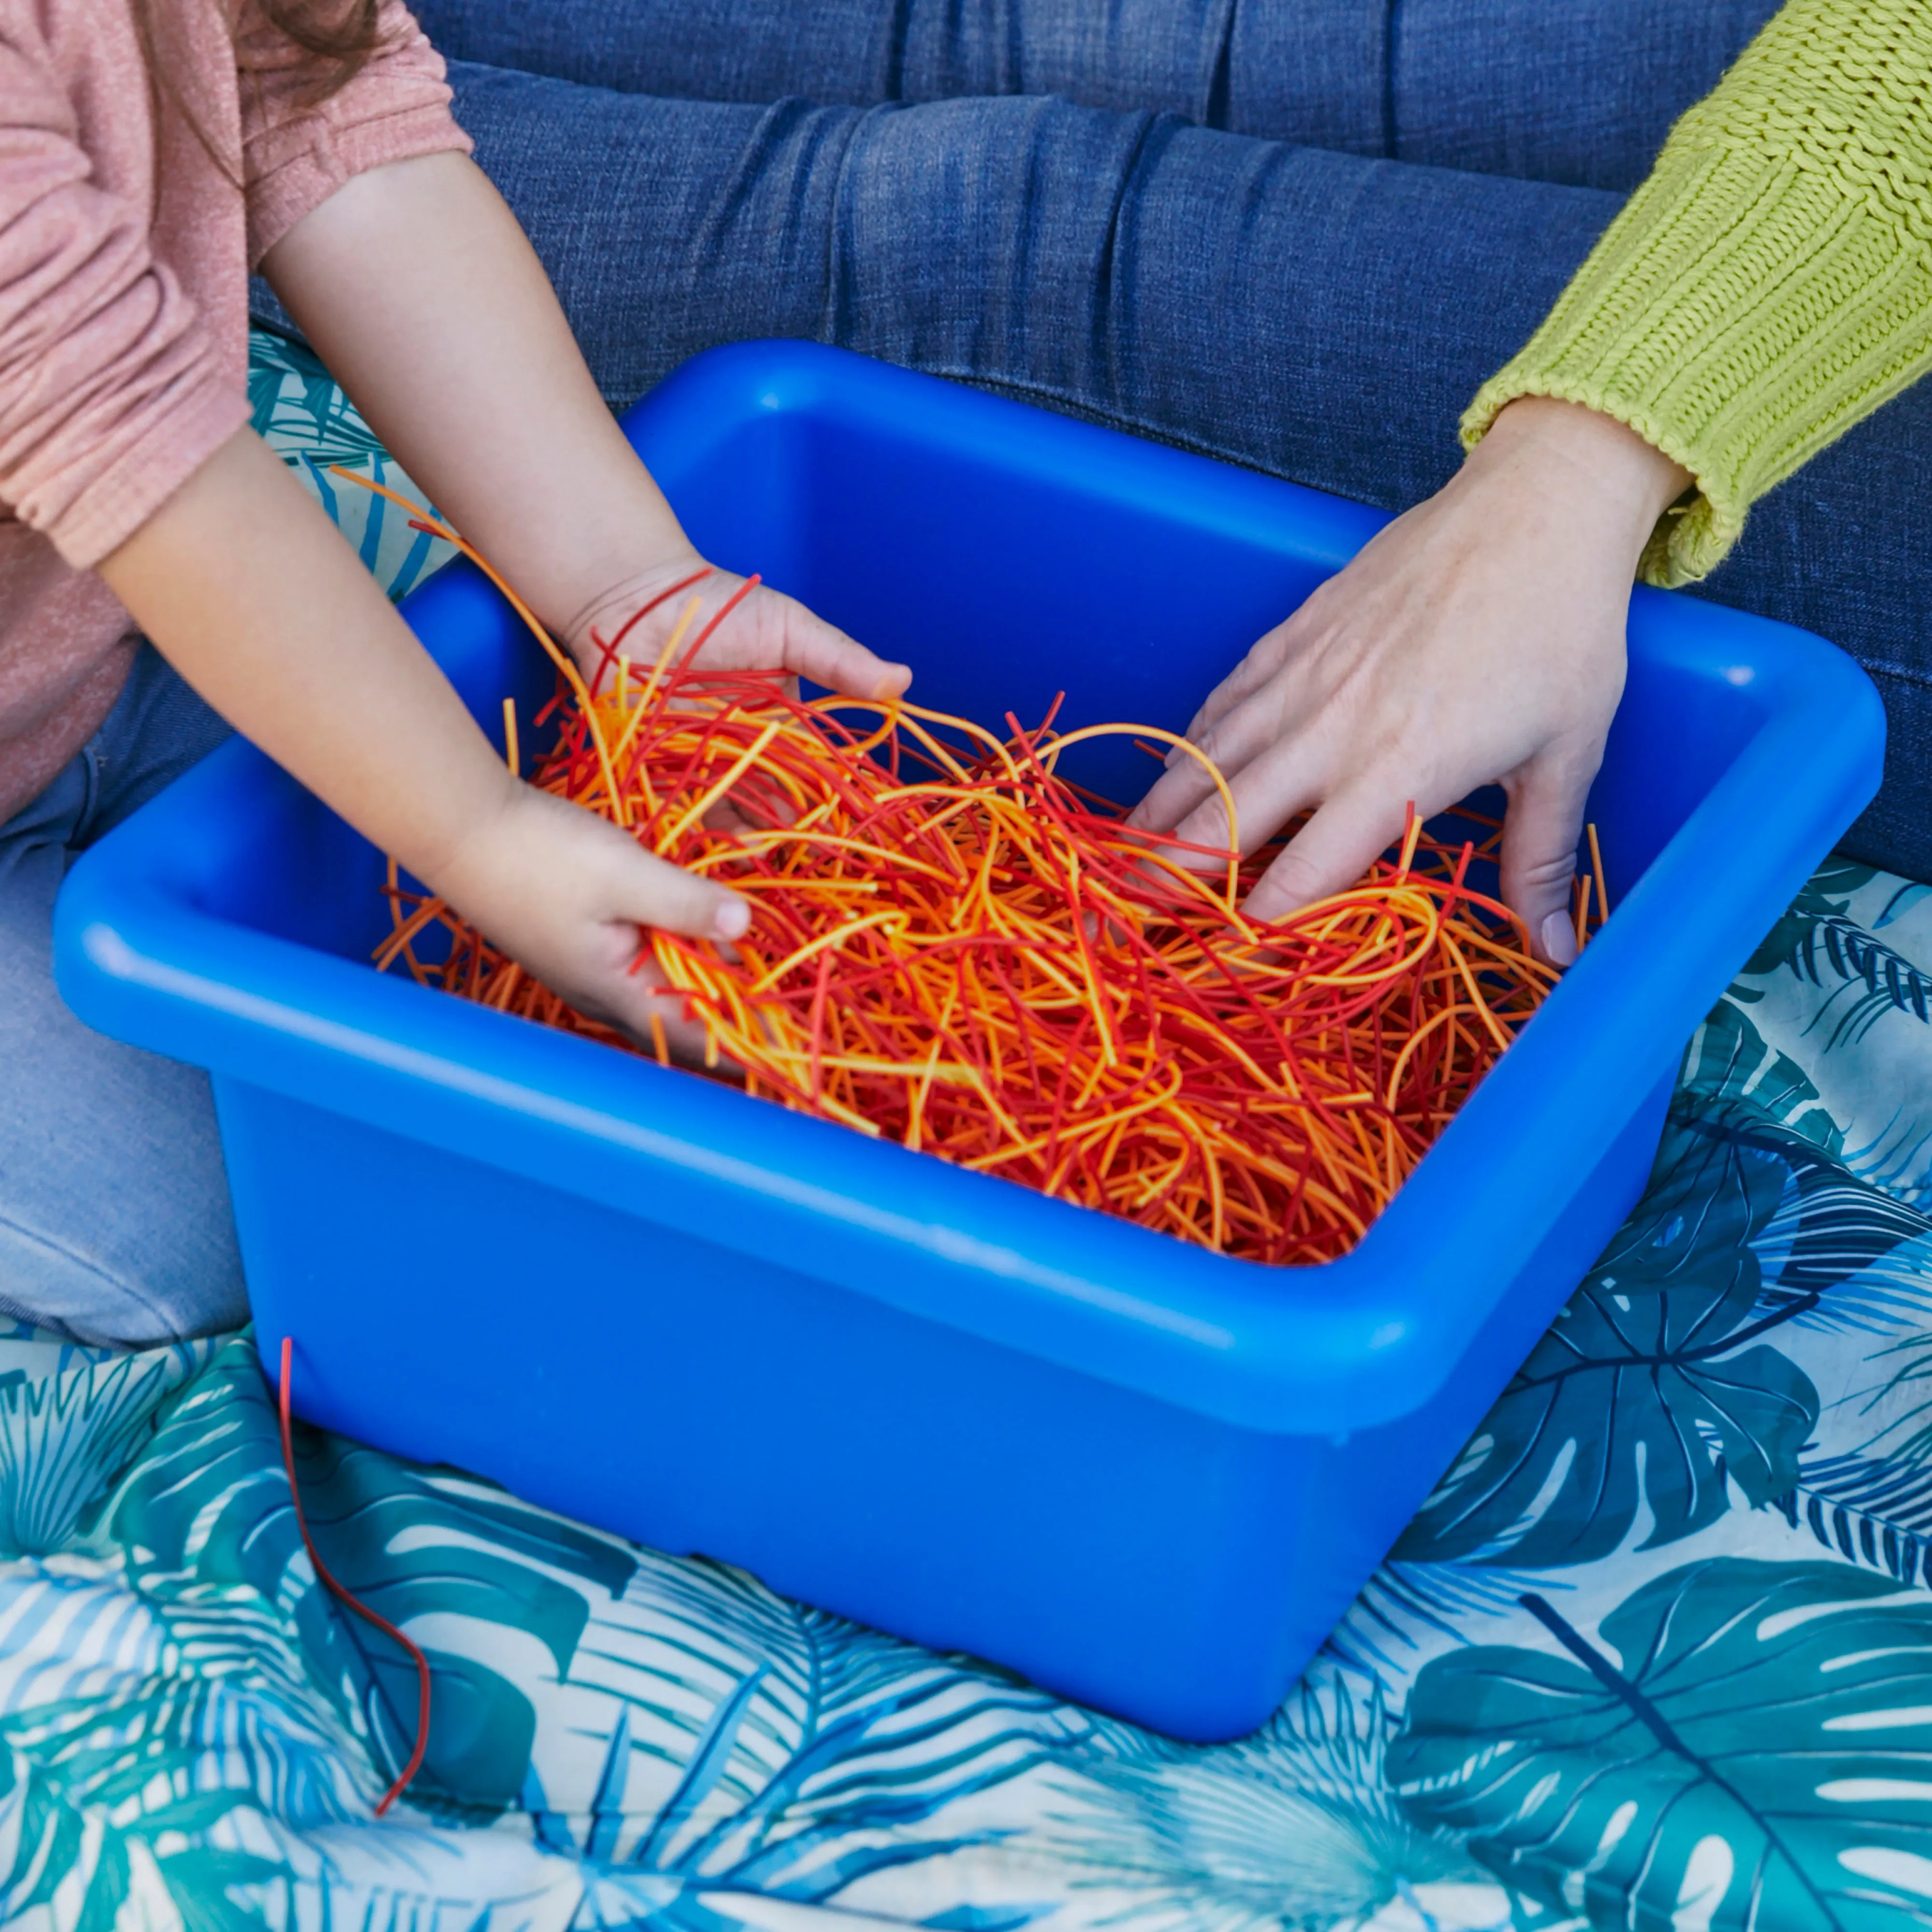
column 1145, row 1476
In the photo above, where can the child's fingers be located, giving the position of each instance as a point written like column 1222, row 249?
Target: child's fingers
column 651, row 998
column 812, row 648
column 647, row 890
column 735, row 623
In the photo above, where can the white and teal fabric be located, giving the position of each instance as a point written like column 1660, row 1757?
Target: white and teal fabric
column 316, row 427
column 1658, row 1654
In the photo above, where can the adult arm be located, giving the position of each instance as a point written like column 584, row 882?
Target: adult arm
column 1770, row 284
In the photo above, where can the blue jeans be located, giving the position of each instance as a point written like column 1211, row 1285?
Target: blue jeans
column 114, row 1218
column 1580, row 92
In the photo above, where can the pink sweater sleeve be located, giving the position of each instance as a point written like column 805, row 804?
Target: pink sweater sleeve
column 111, row 391
column 296, row 151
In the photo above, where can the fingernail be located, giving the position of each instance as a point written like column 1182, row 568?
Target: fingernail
column 1559, row 938
column 733, row 919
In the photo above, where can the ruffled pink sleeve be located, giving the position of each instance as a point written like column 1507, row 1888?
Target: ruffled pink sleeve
column 297, row 152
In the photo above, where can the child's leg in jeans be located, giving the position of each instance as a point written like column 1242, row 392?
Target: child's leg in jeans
column 114, row 1224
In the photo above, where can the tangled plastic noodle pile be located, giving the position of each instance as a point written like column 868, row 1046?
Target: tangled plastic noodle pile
column 955, row 948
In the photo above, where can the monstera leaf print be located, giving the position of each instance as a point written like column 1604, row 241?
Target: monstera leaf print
column 300, row 414
column 751, row 1745
column 1827, row 895
column 1873, row 1510
column 655, row 1718
column 212, row 1544
column 293, row 403
column 1661, row 1385
column 103, row 1716
column 1728, row 1062
column 47, row 1832
column 1841, row 1250
column 64, row 1437
column 1293, row 1828
column 1820, row 941
column 1740, row 1747
column 1659, row 1347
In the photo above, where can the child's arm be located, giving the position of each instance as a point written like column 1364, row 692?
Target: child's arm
column 247, row 589
column 419, row 289
column 417, row 286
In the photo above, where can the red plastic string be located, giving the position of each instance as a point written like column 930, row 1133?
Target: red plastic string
column 350, row 1597
column 953, row 947
column 723, row 610
column 607, row 653
column 965, row 952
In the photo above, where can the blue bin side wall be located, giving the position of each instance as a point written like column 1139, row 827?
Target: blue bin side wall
column 1371, row 1483
column 1121, row 1551
column 1124, row 1552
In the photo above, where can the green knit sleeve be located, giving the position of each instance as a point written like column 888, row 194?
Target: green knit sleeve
column 1771, row 283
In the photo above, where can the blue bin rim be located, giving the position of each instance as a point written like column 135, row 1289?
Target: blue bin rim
column 1350, row 1344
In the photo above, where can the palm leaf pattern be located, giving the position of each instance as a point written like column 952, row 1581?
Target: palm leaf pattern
column 1875, row 1510
column 1723, row 1746
column 1656, row 1652
column 301, row 413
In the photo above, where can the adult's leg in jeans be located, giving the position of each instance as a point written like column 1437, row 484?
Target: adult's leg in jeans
column 1320, row 317
column 114, row 1224
column 1580, row 92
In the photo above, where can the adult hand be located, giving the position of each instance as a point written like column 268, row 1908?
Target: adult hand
column 1478, row 638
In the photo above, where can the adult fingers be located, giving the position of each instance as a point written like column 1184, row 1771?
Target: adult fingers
column 1546, row 800
column 1332, row 851
column 1240, row 684
column 1261, row 667
column 1283, row 779
column 1172, row 795
column 1244, row 744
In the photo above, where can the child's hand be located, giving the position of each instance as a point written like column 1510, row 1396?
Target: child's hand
column 564, row 893
column 762, row 629
column 743, row 625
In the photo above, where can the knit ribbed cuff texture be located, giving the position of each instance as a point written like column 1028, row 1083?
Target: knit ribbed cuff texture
column 1769, row 284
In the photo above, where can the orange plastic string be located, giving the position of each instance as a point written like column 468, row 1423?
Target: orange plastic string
column 956, row 947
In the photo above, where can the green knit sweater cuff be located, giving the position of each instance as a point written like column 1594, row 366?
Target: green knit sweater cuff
column 1758, row 295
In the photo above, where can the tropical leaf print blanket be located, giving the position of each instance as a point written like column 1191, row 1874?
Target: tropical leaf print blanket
column 1656, row 1653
